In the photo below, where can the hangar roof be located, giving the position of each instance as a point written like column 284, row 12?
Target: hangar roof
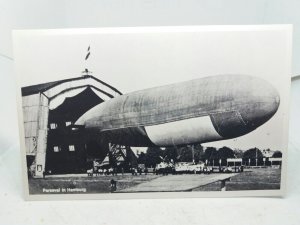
column 34, row 89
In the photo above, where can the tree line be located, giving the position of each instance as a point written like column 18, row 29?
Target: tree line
column 196, row 153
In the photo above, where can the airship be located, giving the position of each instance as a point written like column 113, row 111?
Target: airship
column 202, row 110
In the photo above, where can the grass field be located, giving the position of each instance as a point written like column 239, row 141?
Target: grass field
column 257, row 179
column 254, row 179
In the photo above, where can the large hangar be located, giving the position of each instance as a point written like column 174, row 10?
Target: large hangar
column 53, row 143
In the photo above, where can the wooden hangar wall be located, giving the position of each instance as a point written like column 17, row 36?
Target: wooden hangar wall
column 53, row 145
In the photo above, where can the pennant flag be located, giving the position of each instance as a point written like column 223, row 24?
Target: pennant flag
column 87, row 56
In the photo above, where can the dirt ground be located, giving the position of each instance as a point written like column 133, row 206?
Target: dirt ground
column 254, row 179
column 95, row 184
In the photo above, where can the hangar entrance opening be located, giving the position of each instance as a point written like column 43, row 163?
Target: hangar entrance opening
column 66, row 147
column 95, row 152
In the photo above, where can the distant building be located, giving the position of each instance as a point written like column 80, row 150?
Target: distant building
column 267, row 153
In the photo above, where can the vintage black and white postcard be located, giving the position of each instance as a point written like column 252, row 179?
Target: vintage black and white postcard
column 153, row 112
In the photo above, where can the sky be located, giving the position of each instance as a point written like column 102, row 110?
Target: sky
column 133, row 59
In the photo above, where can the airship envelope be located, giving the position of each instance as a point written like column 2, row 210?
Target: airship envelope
column 196, row 111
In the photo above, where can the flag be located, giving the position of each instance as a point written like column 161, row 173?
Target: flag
column 87, row 56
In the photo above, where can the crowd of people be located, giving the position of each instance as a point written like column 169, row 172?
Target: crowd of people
column 115, row 171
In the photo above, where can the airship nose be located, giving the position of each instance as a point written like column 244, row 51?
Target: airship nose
column 262, row 104
column 254, row 102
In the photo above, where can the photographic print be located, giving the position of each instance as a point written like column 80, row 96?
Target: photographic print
column 191, row 111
